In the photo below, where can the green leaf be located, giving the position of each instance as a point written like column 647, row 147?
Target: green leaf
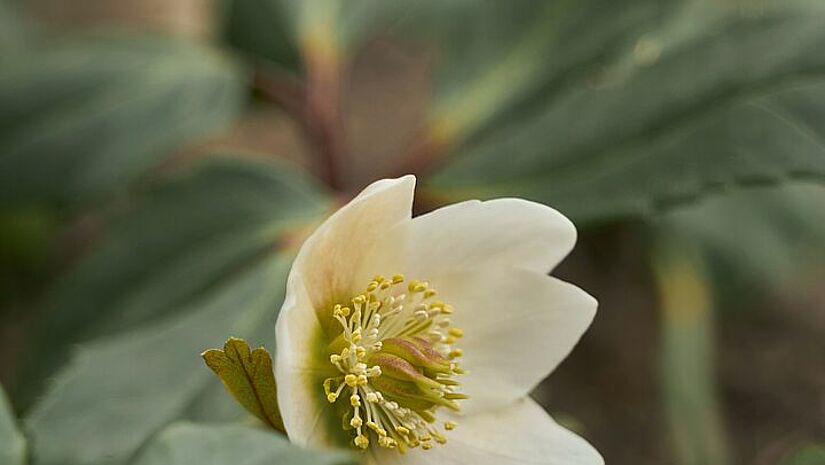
column 188, row 232
column 261, row 29
column 740, row 102
column 811, row 454
column 84, row 117
column 118, row 391
column 12, row 442
column 186, row 444
column 249, row 377
column 498, row 61
column 763, row 239
column 14, row 29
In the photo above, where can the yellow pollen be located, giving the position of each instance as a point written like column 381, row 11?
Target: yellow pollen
column 396, row 329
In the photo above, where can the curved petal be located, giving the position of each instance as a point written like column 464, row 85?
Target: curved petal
column 295, row 371
column 519, row 433
column 354, row 243
column 518, row 326
column 502, row 232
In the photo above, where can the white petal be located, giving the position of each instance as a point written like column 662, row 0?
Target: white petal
column 518, row 326
column 296, row 327
column 354, row 244
column 501, row 232
column 520, row 433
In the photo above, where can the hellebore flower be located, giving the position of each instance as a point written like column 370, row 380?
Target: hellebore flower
column 419, row 340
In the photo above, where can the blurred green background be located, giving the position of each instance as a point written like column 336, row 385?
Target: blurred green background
column 160, row 161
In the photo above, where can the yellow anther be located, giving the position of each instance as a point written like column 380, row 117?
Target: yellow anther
column 456, row 353
column 345, row 311
column 447, row 309
column 388, row 442
column 430, row 293
column 397, row 278
column 356, row 422
column 417, row 286
column 332, row 397
column 378, row 278
column 360, row 352
column 362, row 441
column 356, row 336
column 351, row 380
column 402, row 430
column 450, row 425
column 372, row 286
column 358, row 300
column 372, row 397
column 335, row 358
column 355, row 400
column 456, row 332
column 362, row 380
column 457, row 369
column 426, row 446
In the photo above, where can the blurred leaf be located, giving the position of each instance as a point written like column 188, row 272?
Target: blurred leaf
column 502, row 57
column 249, row 377
column 186, row 444
column 118, row 391
column 261, row 28
column 812, row 454
column 190, row 231
column 14, row 29
column 686, row 357
column 730, row 105
column 12, row 443
column 84, row 117
column 286, row 32
column 763, row 238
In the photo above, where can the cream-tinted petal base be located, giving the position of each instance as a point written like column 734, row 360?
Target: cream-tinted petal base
column 520, row 433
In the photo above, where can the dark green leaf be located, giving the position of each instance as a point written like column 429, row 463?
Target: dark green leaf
column 118, row 391
column 767, row 239
column 501, row 59
column 190, row 231
column 188, row 444
column 741, row 102
column 12, row 443
column 85, row 117
column 261, row 28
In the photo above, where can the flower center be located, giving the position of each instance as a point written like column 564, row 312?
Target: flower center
column 397, row 362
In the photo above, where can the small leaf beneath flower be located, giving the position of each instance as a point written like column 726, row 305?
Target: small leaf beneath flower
column 248, row 376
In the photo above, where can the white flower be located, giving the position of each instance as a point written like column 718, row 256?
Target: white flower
column 369, row 350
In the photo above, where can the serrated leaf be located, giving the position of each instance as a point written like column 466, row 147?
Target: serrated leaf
column 190, row 231
column 85, row 117
column 119, row 391
column 502, row 60
column 12, row 442
column 738, row 103
column 249, row 377
column 187, row 444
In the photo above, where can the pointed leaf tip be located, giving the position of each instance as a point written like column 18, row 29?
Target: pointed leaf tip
column 249, row 378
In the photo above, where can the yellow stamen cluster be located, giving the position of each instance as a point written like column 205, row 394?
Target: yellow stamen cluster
column 397, row 361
